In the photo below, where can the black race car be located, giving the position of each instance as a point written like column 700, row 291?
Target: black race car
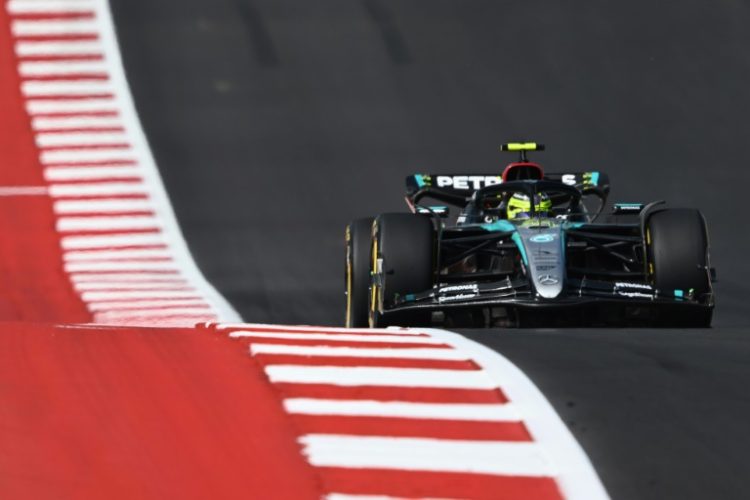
column 527, row 249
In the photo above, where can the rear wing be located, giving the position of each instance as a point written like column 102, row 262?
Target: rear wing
column 455, row 188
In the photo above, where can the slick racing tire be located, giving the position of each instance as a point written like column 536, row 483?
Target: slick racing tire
column 677, row 241
column 358, row 245
column 402, row 262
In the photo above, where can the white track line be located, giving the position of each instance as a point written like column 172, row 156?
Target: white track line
column 439, row 411
column 102, row 206
column 358, row 352
column 488, row 457
column 393, row 377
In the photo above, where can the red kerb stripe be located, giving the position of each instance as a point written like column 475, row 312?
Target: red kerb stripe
column 379, row 393
column 418, row 484
column 411, row 427
column 55, row 15
column 67, row 77
column 343, row 343
column 62, row 37
column 61, row 57
column 287, row 359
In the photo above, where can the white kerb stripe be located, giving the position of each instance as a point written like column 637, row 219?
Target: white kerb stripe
column 365, row 375
column 99, row 189
column 75, row 122
column 145, row 304
column 297, row 328
column 37, row 107
column 440, row 411
column 94, row 223
column 78, row 138
column 156, row 313
column 56, row 27
column 51, row 68
column 486, row 457
column 101, row 205
column 336, row 336
column 129, row 285
column 58, row 48
column 41, row 6
column 140, row 277
column 77, row 267
column 35, row 88
column 140, row 295
column 358, row 352
column 90, row 173
column 93, row 255
column 86, row 155
column 111, row 241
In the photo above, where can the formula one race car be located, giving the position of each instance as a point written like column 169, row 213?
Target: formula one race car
column 527, row 249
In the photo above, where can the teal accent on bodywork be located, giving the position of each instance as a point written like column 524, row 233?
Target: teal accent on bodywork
column 499, row 225
column 679, row 293
column 595, row 178
column 573, row 225
column 519, row 243
column 628, row 204
column 505, row 226
column 420, row 180
column 409, row 297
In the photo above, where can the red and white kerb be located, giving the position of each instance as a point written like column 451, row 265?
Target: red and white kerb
column 121, row 247
column 420, row 413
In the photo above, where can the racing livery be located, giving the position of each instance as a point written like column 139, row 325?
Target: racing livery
column 527, row 249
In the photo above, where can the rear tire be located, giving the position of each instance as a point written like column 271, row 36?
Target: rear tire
column 677, row 242
column 358, row 245
column 404, row 244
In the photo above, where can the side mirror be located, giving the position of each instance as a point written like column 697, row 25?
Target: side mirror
column 440, row 211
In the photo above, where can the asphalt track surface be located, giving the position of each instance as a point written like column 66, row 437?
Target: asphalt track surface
column 275, row 122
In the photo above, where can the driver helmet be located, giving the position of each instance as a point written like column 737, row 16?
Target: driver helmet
column 519, row 206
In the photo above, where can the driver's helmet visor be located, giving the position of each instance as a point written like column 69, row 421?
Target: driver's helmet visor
column 519, row 206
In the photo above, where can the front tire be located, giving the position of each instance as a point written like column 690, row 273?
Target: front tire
column 402, row 263
column 677, row 241
column 358, row 244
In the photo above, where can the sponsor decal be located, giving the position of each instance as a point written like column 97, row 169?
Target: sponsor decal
column 468, row 182
column 640, row 286
column 546, row 268
column 548, row 280
column 460, row 296
column 569, row 179
column 542, row 238
column 473, row 287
